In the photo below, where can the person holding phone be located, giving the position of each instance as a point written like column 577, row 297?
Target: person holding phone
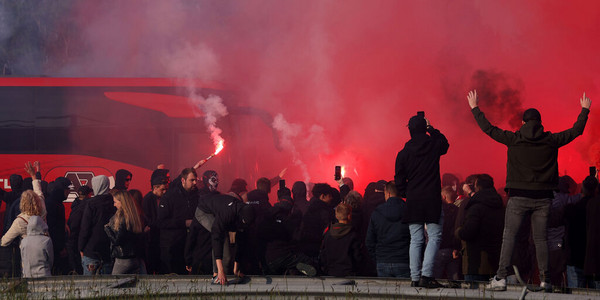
column 418, row 180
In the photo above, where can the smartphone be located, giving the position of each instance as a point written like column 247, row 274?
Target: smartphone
column 281, row 184
column 421, row 114
column 338, row 173
column 593, row 171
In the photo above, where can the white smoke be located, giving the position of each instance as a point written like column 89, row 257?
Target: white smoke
column 193, row 63
column 288, row 133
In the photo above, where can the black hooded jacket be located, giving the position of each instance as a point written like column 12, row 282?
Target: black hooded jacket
column 340, row 253
column 532, row 152
column 55, row 217
column 314, row 222
column 418, row 176
column 388, row 239
column 226, row 210
column 120, row 178
column 482, row 232
column 93, row 241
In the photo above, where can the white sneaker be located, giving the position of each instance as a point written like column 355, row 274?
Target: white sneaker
column 546, row 286
column 496, row 284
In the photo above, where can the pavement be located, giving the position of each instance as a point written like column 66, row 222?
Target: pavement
column 257, row 287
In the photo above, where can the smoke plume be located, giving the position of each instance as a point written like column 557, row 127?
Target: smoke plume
column 288, row 135
column 499, row 96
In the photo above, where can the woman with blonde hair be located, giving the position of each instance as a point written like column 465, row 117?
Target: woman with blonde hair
column 125, row 232
column 31, row 205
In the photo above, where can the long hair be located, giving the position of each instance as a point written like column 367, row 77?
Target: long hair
column 127, row 213
column 31, row 203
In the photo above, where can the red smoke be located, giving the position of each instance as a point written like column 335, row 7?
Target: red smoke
column 354, row 72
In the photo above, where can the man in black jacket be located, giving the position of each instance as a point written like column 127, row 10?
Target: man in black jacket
column 221, row 214
column 319, row 216
column 531, row 177
column 150, row 203
column 93, row 243
column 418, row 180
column 175, row 214
column 388, row 239
column 481, row 231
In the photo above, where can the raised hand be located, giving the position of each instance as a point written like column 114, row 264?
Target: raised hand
column 585, row 101
column 30, row 169
column 473, row 99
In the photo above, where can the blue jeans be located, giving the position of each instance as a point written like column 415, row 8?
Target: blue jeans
column 420, row 265
column 92, row 266
column 400, row 270
column 576, row 279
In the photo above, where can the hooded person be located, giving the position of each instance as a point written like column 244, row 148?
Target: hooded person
column 93, row 242
column 481, row 231
column 37, row 251
column 417, row 178
column 74, row 222
column 299, row 196
column 341, row 250
column 122, row 179
column 56, row 221
column 220, row 215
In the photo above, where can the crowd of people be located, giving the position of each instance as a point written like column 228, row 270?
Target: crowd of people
column 421, row 226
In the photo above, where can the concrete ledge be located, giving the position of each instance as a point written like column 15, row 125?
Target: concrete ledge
column 276, row 287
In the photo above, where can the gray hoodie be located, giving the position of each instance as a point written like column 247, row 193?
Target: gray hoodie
column 100, row 185
column 37, row 255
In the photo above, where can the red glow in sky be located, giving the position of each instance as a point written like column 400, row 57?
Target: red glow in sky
column 351, row 73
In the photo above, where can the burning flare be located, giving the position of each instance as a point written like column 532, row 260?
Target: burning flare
column 220, row 147
column 343, row 171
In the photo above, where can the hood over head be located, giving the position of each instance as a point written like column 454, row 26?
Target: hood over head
column 36, row 226
column 100, row 185
column 339, row 230
column 417, row 125
column 28, row 184
column 299, row 190
column 121, row 178
column 16, row 182
column 533, row 131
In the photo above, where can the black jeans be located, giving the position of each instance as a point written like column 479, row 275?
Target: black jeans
column 516, row 209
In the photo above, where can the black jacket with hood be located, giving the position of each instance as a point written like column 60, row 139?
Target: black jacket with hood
column 55, row 217
column 418, row 176
column 120, row 178
column 388, row 239
column 340, row 253
column 482, row 233
column 226, row 209
column 532, row 152
column 93, row 241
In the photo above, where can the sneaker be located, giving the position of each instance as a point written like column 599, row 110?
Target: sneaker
column 215, row 280
column 306, row 269
column 429, row 283
column 414, row 284
column 546, row 286
column 496, row 284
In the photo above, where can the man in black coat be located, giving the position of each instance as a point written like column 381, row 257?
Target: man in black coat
column 93, row 243
column 150, row 203
column 77, row 209
column 175, row 214
column 418, row 180
column 482, row 231
column 388, row 239
column 57, row 228
column 317, row 218
column 531, row 178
